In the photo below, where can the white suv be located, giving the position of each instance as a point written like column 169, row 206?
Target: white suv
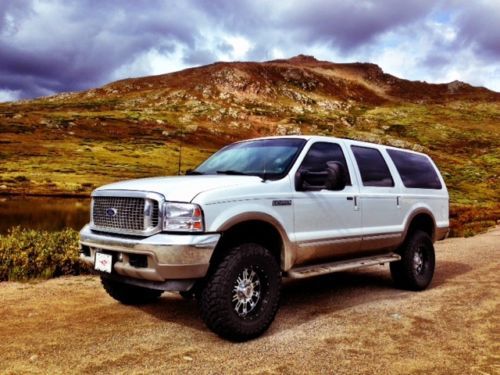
column 263, row 209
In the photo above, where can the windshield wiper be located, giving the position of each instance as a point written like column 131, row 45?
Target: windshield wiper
column 190, row 172
column 238, row 173
column 233, row 172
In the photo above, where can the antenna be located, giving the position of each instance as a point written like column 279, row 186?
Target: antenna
column 179, row 161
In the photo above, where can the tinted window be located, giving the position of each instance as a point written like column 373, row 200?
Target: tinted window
column 372, row 166
column 415, row 170
column 319, row 154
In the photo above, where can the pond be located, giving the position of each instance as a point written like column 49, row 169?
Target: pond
column 45, row 213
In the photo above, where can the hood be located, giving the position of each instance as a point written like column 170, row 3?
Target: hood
column 182, row 188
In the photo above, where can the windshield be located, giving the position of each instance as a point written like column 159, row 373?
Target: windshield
column 267, row 158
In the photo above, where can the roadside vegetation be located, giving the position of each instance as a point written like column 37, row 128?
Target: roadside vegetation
column 30, row 254
column 469, row 220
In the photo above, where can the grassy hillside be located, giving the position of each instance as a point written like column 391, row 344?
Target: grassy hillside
column 70, row 143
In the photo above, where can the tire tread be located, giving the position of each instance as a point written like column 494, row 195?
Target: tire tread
column 402, row 271
column 213, row 303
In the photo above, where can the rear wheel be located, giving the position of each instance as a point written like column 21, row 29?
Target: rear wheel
column 129, row 294
column 416, row 268
column 241, row 297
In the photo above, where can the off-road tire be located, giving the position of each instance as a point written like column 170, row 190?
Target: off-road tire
column 415, row 271
column 217, row 302
column 129, row 294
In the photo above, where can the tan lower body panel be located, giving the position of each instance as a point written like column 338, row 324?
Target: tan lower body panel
column 325, row 268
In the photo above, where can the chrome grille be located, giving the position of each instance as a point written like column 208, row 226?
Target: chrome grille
column 124, row 214
column 155, row 214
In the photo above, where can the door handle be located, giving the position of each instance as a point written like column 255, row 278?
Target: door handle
column 355, row 199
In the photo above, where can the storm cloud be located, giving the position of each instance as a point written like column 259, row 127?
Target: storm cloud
column 54, row 46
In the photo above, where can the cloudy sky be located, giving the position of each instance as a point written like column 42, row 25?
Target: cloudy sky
column 49, row 46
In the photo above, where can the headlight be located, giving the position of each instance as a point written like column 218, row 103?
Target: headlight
column 182, row 217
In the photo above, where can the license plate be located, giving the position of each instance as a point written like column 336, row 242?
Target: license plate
column 103, row 262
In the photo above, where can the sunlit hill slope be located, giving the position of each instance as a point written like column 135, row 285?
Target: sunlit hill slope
column 70, row 143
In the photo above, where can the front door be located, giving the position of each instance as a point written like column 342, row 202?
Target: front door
column 327, row 223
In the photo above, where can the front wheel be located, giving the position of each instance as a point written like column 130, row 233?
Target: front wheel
column 241, row 297
column 416, row 268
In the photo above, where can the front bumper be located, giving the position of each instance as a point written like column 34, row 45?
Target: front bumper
column 169, row 256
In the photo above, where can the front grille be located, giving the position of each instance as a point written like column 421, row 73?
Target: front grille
column 155, row 215
column 125, row 213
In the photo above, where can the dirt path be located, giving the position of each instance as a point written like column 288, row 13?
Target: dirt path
column 352, row 322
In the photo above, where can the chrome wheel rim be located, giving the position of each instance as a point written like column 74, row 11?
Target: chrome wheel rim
column 418, row 261
column 246, row 292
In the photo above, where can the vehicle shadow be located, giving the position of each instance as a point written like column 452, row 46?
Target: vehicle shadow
column 173, row 308
column 303, row 300
column 446, row 271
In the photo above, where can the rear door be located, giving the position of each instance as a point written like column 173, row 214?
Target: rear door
column 379, row 199
column 327, row 223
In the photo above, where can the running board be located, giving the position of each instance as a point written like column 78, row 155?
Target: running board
column 324, row 268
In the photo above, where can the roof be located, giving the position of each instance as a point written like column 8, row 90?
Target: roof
column 347, row 140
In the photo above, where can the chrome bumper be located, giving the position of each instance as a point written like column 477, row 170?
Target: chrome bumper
column 169, row 256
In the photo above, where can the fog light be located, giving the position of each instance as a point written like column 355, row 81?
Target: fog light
column 85, row 250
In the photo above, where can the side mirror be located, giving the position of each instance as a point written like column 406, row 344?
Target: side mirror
column 335, row 176
column 307, row 180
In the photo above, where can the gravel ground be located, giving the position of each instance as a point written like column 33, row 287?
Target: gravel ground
column 347, row 323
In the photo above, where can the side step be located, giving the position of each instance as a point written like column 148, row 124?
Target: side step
column 324, row 268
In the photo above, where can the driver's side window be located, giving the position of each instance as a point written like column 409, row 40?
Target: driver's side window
column 319, row 155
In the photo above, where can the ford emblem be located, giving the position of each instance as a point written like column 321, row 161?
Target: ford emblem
column 111, row 212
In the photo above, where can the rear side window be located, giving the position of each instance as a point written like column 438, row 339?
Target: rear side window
column 415, row 170
column 372, row 166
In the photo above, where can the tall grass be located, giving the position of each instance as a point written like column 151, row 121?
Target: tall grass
column 30, row 254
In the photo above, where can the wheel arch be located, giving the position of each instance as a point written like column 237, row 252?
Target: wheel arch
column 256, row 227
column 423, row 219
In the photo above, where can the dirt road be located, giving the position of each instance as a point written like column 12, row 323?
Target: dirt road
column 347, row 323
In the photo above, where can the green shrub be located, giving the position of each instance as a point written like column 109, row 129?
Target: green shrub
column 469, row 220
column 30, row 254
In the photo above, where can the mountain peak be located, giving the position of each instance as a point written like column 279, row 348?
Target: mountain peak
column 297, row 60
column 302, row 80
column 303, row 58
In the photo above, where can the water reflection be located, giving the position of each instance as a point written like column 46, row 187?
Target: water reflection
column 43, row 213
